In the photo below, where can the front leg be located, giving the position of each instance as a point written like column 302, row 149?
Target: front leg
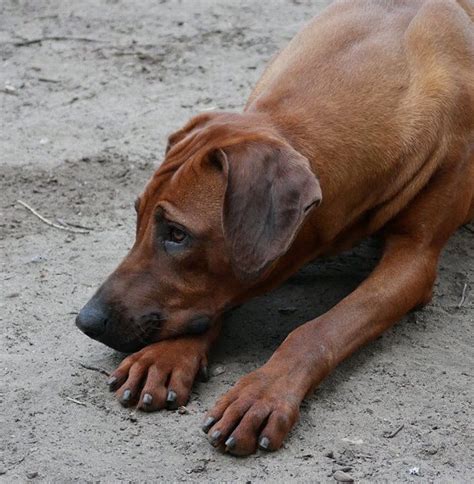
column 263, row 406
column 162, row 374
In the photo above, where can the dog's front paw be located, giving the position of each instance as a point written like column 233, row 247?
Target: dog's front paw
column 160, row 375
column 258, row 411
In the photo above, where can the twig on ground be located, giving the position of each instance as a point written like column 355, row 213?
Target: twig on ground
column 70, row 224
column 73, row 400
column 47, row 79
column 95, row 368
column 57, row 38
column 139, row 54
column 142, row 113
column 463, row 296
column 52, row 224
column 395, row 432
column 20, row 460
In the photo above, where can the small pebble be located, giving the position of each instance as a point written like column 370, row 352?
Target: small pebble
column 183, row 410
column 9, row 89
column 37, row 259
column 218, row 370
column 31, row 474
column 341, row 476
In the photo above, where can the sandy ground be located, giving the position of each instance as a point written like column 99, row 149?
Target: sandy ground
column 84, row 117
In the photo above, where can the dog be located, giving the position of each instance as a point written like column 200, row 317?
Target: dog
column 363, row 125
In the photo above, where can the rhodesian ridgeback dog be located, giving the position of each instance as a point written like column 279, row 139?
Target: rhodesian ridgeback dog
column 362, row 125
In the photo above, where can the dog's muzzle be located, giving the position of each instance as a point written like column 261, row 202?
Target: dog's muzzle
column 99, row 322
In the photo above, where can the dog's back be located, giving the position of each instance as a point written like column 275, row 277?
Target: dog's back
column 392, row 103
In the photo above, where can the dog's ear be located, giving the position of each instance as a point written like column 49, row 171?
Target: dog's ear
column 270, row 188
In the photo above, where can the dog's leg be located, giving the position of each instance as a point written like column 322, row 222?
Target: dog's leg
column 263, row 406
column 162, row 375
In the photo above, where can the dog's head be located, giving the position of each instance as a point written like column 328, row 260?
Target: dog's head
column 213, row 221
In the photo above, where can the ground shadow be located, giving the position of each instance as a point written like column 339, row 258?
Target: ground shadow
column 255, row 329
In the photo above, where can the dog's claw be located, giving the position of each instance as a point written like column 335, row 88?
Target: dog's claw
column 215, row 437
column 264, row 443
column 208, row 423
column 171, row 400
column 230, row 443
column 127, row 394
column 111, row 382
column 147, row 399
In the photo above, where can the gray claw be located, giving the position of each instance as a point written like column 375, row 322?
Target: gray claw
column 171, row 403
column 208, row 423
column 215, row 437
column 230, row 443
column 264, row 443
column 111, row 382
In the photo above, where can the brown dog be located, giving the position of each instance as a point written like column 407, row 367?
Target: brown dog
column 364, row 124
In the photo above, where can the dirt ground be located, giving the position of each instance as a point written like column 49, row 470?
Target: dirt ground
column 84, row 115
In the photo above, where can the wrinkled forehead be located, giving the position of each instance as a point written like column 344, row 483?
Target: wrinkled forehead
column 197, row 183
column 195, row 189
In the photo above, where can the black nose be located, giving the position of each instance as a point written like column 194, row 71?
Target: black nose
column 92, row 319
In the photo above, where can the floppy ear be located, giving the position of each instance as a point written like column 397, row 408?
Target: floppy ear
column 270, row 188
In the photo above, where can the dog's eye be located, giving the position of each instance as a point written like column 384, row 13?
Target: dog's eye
column 177, row 235
column 175, row 239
